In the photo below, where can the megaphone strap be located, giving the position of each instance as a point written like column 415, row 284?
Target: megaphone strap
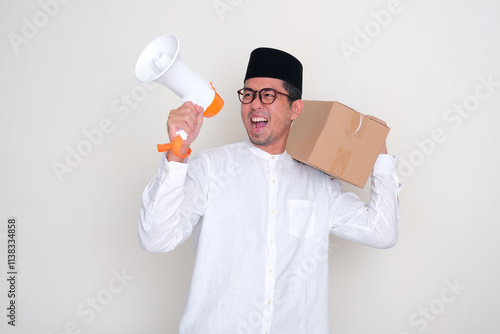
column 175, row 146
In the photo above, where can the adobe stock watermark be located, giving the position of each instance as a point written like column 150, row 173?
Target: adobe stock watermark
column 310, row 264
column 88, row 309
column 222, row 178
column 295, row 276
column 94, row 137
column 223, row 6
column 30, row 27
column 421, row 319
column 454, row 116
column 364, row 36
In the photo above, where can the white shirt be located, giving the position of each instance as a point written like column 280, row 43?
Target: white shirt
column 261, row 226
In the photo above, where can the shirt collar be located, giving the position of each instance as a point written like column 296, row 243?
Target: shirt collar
column 264, row 155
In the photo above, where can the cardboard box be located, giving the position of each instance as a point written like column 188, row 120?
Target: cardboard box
column 337, row 140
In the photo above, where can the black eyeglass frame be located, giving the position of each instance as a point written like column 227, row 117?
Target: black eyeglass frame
column 240, row 95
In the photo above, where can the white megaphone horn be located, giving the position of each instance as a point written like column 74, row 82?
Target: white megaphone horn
column 160, row 62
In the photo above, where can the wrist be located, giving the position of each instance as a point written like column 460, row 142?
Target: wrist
column 180, row 150
column 172, row 157
column 177, row 149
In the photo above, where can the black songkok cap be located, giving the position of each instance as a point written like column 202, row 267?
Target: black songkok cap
column 277, row 64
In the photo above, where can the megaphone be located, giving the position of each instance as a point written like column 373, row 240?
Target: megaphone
column 160, row 62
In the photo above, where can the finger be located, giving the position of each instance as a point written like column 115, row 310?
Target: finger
column 186, row 123
column 199, row 109
column 186, row 114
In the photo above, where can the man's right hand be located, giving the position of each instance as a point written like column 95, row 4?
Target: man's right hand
column 188, row 117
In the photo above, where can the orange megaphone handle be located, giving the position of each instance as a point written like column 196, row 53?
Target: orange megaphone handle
column 175, row 146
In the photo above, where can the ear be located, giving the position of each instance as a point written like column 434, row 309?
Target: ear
column 297, row 106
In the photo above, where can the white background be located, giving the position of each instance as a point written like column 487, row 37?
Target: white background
column 67, row 67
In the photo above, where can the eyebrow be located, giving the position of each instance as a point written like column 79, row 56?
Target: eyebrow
column 259, row 89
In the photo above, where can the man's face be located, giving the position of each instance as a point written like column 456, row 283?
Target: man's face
column 268, row 125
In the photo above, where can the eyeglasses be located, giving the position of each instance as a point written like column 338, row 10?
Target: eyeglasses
column 266, row 95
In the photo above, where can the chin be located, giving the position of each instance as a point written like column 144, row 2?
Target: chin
column 260, row 140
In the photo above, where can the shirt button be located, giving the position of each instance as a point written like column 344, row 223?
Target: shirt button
column 273, row 157
column 165, row 170
column 273, row 211
column 269, row 302
column 271, row 241
column 274, row 181
column 270, row 271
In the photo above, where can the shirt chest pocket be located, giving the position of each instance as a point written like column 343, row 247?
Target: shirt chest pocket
column 301, row 218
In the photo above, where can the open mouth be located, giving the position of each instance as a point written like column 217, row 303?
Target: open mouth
column 259, row 123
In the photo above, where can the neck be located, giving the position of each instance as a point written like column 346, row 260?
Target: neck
column 273, row 149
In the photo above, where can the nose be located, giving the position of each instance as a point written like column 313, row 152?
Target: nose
column 256, row 104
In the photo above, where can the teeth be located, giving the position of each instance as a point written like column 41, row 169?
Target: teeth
column 259, row 119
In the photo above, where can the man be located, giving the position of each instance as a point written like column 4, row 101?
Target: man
column 260, row 220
